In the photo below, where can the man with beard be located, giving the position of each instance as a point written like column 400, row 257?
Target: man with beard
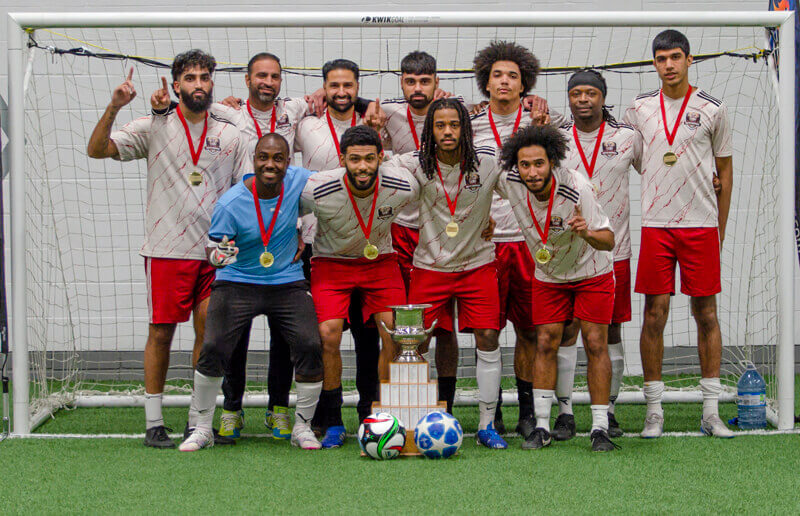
column 570, row 239
column 193, row 157
column 354, row 206
column 253, row 241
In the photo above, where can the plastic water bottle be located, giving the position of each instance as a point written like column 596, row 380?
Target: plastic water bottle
column 752, row 399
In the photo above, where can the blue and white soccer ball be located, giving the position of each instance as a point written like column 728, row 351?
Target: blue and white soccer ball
column 382, row 436
column 438, row 435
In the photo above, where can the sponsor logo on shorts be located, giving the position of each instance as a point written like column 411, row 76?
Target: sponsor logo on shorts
column 692, row 119
column 385, row 212
column 609, row 149
column 212, row 144
column 473, row 181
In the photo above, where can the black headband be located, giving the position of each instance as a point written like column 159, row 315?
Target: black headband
column 587, row 78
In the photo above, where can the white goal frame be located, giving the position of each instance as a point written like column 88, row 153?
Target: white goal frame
column 18, row 22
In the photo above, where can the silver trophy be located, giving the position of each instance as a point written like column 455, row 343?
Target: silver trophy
column 409, row 331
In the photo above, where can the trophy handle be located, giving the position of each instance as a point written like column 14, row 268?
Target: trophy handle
column 390, row 332
column 430, row 330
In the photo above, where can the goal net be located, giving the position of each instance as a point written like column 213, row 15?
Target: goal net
column 87, row 315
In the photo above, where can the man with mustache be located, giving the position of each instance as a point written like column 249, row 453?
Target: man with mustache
column 193, row 157
column 355, row 206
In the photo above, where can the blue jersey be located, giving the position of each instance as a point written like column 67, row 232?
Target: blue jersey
column 235, row 217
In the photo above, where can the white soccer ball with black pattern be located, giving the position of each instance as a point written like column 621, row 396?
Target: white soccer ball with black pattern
column 438, row 435
column 382, row 436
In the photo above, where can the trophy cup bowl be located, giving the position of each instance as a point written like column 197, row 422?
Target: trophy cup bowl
column 409, row 331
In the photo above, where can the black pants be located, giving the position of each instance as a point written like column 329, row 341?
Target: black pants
column 231, row 310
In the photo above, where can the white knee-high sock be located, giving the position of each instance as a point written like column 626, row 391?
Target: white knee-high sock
column 711, row 389
column 488, row 370
column 617, row 357
column 599, row 417
column 652, row 394
column 567, row 358
column 152, row 410
column 307, row 398
column 542, row 403
column 204, row 398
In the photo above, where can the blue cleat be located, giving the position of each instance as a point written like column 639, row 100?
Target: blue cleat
column 334, row 437
column 490, row 438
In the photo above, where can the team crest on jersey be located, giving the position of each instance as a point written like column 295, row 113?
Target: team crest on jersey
column 473, row 181
column 692, row 119
column 283, row 120
column 385, row 212
column 609, row 149
column 212, row 144
column 556, row 224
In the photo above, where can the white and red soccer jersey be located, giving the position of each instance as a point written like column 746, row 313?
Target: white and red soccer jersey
column 178, row 214
column 573, row 259
column 339, row 233
column 618, row 150
column 399, row 138
column 467, row 250
column 314, row 140
column 682, row 195
column 288, row 113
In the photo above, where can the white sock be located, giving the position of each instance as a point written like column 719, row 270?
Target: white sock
column 711, row 389
column 542, row 402
column 488, row 370
column 152, row 410
column 599, row 417
column 567, row 358
column 307, row 398
column 617, row 357
column 652, row 394
column 204, row 399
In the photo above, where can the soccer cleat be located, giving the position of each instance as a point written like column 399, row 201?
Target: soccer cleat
column 537, row 440
column 601, row 441
column 614, row 429
column 653, row 426
column 526, row 426
column 198, row 440
column 230, row 423
column 303, row 437
column 334, row 437
column 713, row 426
column 279, row 421
column 156, row 437
column 219, row 440
column 499, row 425
column 490, row 438
column 564, row 428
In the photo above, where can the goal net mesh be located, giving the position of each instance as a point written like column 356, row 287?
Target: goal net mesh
column 87, row 307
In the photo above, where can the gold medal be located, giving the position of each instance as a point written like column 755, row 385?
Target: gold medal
column 670, row 158
column 451, row 228
column 195, row 178
column 266, row 259
column 543, row 255
column 370, row 251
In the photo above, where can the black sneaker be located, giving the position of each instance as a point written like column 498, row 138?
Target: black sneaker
column 156, row 437
column 219, row 440
column 539, row 438
column 564, row 429
column 526, row 426
column 601, row 442
column 614, row 429
column 499, row 426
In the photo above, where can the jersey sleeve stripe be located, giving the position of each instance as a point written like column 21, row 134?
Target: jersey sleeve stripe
column 568, row 192
column 705, row 96
column 648, row 94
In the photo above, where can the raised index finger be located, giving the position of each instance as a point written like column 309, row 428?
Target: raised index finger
column 164, row 82
column 130, row 74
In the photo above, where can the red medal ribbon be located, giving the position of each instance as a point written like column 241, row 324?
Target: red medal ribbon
column 671, row 137
column 543, row 234
column 411, row 126
column 365, row 228
column 266, row 234
column 255, row 122
column 589, row 166
column 195, row 155
column 494, row 127
column 451, row 205
column 333, row 129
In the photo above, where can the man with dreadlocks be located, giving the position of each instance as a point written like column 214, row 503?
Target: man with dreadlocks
column 505, row 73
column 452, row 259
column 603, row 150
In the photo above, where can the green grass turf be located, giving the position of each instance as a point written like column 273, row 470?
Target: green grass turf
column 261, row 475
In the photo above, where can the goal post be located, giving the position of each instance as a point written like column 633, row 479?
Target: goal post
column 18, row 70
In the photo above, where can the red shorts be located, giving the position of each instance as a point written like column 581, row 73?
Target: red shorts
column 475, row 291
column 515, row 282
column 622, row 294
column 333, row 280
column 175, row 287
column 589, row 300
column 696, row 250
column 405, row 241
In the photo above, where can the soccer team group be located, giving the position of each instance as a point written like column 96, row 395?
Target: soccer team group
column 495, row 212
